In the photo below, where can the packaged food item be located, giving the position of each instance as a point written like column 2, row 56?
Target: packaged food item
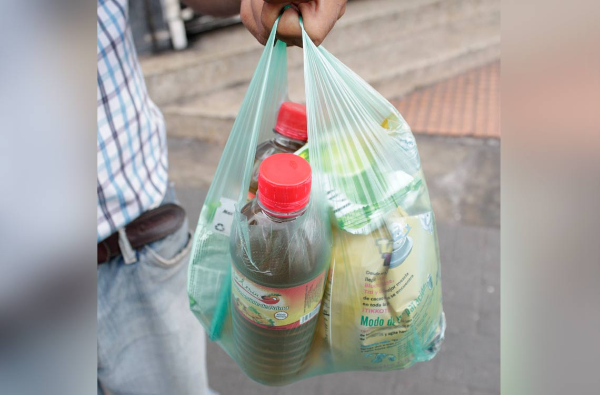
column 362, row 210
column 279, row 271
column 289, row 135
column 391, row 315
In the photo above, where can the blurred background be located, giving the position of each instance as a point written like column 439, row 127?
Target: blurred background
column 438, row 61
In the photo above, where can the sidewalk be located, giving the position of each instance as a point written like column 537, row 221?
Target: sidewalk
column 463, row 106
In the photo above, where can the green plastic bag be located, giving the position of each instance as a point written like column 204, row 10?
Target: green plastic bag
column 382, row 306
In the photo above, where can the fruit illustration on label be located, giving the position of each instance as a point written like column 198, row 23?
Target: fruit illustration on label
column 270, row 299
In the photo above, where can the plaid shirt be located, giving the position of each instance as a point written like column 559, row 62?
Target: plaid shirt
column 132, row 147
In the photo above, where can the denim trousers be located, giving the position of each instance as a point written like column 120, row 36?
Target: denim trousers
column 149, row 342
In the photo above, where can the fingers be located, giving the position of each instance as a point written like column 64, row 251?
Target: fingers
column 259, row 16
column 269, row 12
column 320, row 16
column 288, row 29
column 257, row 7
column 248, row 17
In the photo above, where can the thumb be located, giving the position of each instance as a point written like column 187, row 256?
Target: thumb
column 320, row 16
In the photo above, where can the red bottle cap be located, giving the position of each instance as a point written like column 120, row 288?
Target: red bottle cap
column 291, row 121
column 284, row 183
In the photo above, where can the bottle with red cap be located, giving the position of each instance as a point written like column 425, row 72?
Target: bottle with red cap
column 290, row 134
column 280, row 261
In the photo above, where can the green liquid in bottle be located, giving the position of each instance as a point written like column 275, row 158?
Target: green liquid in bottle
column 280, row 261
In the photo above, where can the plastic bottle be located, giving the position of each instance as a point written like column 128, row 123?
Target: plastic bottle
column 279, row 270
column 290, row 134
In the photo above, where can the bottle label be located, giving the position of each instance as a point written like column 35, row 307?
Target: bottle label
column 277, row 308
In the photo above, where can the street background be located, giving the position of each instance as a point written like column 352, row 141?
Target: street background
column 438, row 62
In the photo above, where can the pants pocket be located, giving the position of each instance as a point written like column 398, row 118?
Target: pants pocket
column 172, row 250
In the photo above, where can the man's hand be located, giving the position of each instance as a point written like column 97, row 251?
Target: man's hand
column 318, row 16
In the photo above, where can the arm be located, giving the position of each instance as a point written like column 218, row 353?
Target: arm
column 215, row 7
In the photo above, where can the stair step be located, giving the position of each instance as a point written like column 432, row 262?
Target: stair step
column 394, row 68
column 227, row 57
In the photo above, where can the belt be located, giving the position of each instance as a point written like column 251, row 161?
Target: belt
column 149, row 227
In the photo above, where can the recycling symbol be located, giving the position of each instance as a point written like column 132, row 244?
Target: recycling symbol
column 220, row 227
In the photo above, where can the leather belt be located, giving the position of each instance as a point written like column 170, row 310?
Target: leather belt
column 149, row 227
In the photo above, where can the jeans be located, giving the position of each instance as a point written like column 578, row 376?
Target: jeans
column 149, row 342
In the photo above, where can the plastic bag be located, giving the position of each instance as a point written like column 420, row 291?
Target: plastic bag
column 369, row 205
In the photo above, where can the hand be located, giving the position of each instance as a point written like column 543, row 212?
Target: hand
column 319, row 17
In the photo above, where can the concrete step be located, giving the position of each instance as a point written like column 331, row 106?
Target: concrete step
column 393, row 68
column 227, row 57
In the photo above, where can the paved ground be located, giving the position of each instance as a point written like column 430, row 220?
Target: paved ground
column 463, row 176
column 466, row 105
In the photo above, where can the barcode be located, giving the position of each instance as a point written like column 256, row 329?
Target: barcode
column 307, row 317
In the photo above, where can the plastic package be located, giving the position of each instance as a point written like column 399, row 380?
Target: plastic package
column 381, row 306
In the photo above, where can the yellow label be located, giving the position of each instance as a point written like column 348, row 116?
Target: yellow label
column 391, row 306
column 277, row 308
